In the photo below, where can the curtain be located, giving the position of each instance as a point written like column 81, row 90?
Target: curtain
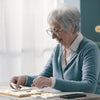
column 24, row 45
column 10, row 38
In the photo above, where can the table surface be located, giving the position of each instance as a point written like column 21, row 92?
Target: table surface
column 88, row 97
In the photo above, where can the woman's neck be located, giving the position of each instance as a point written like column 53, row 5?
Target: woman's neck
column 72, row 40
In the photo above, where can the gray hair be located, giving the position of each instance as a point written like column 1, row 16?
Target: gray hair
column 66, row 16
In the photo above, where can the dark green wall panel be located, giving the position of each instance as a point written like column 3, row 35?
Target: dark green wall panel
column 90, row 17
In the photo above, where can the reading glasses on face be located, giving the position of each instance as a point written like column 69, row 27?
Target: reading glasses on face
column 53, row 32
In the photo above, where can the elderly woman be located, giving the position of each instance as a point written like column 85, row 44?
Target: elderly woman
column 74, row 64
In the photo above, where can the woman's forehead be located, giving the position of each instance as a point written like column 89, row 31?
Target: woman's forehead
column 53, row 24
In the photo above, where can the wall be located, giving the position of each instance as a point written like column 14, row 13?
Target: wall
column 90, row 18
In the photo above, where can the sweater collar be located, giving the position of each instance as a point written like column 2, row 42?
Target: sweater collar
column 76, row 42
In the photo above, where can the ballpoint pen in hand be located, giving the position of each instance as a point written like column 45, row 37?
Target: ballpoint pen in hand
column 22, row 88
column 14, row 86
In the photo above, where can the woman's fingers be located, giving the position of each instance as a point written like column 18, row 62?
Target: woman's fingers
column 18, row 80
column 42, row 82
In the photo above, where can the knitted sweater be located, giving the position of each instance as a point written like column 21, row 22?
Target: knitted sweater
column 82, row 72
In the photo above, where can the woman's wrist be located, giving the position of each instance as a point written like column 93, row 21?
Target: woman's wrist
column 53, row 82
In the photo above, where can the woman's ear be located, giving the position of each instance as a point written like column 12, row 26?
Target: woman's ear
column 73, row 28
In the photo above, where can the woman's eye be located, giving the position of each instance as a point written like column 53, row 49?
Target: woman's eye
column 56, row 30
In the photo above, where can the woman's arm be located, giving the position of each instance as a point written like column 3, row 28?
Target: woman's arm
column 47, row 72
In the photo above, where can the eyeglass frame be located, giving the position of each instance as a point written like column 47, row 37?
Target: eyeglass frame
column 53, row 32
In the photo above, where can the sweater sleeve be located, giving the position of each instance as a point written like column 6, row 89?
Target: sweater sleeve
column 90, row 73
column 47, row 72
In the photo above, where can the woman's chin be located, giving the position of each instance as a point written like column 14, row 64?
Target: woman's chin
column 61, row 42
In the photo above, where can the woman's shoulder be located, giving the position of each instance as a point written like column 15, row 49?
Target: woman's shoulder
column 58, row 49
column 88, row 44
column 88, row 47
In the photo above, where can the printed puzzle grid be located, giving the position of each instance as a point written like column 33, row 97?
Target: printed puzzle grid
column 33, row 92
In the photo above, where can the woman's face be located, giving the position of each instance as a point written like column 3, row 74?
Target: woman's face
column 63, row 37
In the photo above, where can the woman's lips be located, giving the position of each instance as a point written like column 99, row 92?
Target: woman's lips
column 59, row 40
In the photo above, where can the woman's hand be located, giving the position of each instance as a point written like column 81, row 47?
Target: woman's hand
column 42, row 82
column 18, row 80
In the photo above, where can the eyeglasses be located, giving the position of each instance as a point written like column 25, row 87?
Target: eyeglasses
column 53, row 32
